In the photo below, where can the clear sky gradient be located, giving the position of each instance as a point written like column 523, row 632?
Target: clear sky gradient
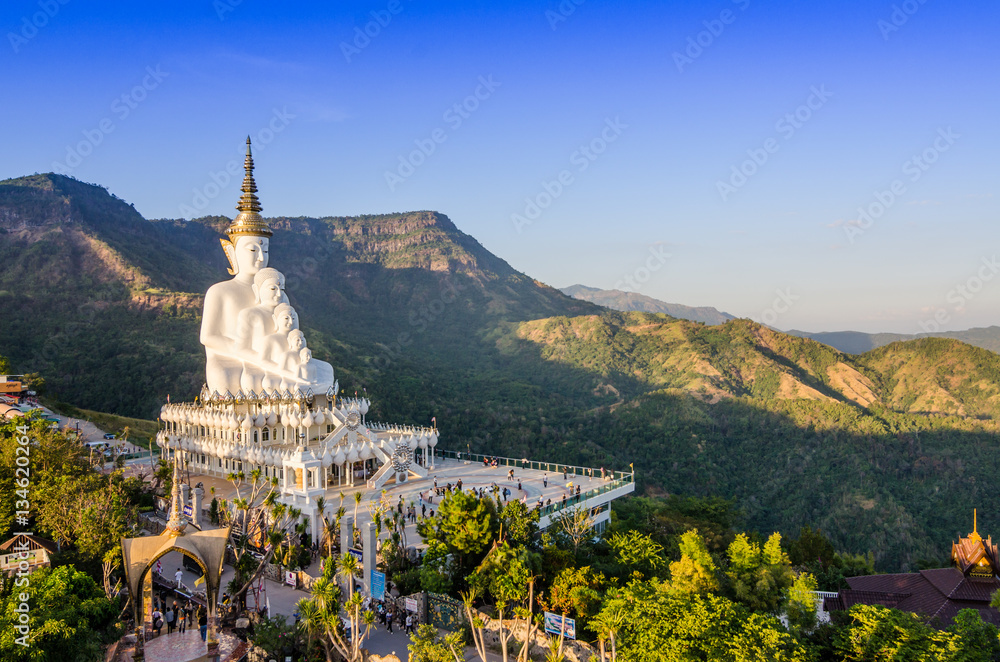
column 665, row 98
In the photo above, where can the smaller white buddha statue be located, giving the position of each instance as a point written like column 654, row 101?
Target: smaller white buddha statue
column 255, row 324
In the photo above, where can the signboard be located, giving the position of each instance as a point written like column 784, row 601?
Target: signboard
column 189, row 511
column 411, row 604
column 290, row 578
column 356, row 553
column 554, row 624
column 378, row 584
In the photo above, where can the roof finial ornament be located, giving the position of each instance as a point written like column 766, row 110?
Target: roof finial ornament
column 178, row 520
column 249, row 221
column 975, row 529
column 248, row 201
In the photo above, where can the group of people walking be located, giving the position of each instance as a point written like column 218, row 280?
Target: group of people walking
column 390, row 615
column 180, row 618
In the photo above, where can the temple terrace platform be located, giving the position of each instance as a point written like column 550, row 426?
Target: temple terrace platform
column 548, row 481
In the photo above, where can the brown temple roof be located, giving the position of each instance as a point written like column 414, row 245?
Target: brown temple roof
column 939, row 594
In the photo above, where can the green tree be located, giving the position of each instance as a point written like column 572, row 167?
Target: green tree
column 874, row 633
column 506, row 575
column 163, row 476
column 35, row 382
column 90, row 512
column 257, row 521
column 979, row 641
column 811, row 547
column 69, row 617
column 695, row 572
column 275, row 635
column 610, row 620
column 426, row 645
column 437, row 570
column 463, row 528
column 519, row 524
column 86, row 512
column 655, row 623
column 834, row 576
column 573, row 526
column 575, row 592
column 639, row 553
column 320, row 614
column 801, row 607
column 213, row 511
column 759, row 576
column 53, row 458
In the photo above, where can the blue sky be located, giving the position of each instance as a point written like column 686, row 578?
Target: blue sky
column 625, row 124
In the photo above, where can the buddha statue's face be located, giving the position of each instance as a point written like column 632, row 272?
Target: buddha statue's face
column 269, row 293
column 251, row 255
column 286, row 321
column 296, row 341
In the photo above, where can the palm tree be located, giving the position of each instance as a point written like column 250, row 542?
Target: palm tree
column 607, row 624
column 318, row 535
column 348, row 568
column 320, row 614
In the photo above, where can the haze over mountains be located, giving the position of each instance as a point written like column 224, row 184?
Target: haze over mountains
column 885, row 451
column 633, row 301
column 856, row 342
column 851, row 342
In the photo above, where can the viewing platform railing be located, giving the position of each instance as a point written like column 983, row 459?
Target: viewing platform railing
column 612, row 479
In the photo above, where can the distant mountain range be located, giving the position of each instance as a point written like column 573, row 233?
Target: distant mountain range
column 631, row 301
column 857, row 342
column 886, row 451
column 851, row 342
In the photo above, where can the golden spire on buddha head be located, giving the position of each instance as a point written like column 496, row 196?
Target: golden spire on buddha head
column 248, row 222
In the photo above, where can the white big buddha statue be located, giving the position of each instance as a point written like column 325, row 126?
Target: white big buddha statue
column 242, row 315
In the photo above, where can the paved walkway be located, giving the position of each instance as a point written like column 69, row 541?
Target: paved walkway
column 419, row 492
column 177, row 647
column 88, row 431
column 283, row 599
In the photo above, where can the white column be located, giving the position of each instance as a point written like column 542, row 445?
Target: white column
column 368, row 555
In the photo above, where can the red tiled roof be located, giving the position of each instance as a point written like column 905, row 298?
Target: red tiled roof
column 949, row 610
column 937, row 594
column 975, row 589
column 849, row 598
column 944, row 580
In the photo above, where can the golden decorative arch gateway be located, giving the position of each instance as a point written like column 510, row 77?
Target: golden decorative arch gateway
column 207, row 548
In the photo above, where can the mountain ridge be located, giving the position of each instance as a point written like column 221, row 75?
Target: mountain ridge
column 859, row 342
column 632, row 301
column 851, row 342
